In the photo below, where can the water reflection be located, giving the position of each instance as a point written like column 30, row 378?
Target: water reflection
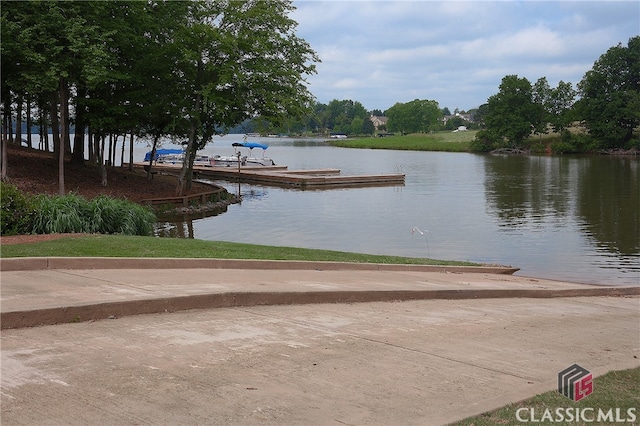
column 566, row 217
column 526, row 190
column 609, row 203
column 180, row 225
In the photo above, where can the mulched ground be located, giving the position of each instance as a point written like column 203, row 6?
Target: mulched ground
column 36, row 172
column 33, row 238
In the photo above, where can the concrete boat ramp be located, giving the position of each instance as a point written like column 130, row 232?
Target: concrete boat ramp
column 281, row 176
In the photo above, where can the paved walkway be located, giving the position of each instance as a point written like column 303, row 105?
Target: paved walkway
column 423, row 347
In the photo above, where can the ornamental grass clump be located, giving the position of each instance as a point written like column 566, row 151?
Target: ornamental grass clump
column 74, row 214
column 122, row 217
column 59, row 214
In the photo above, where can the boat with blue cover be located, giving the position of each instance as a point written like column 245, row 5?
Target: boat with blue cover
column 246, row 160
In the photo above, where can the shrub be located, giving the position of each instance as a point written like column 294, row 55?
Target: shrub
column 59, row 214
column 483, row 142
column 105, row 215
column 16, row 211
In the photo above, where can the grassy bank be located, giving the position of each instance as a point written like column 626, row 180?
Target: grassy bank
column 616, row 389
column 438, row 141
column 135, row 246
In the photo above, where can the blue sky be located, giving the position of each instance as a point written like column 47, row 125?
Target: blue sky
column 454, row 52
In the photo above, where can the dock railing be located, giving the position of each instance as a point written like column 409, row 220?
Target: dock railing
column 186, row 200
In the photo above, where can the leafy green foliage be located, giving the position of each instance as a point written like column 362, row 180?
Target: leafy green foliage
column 58, row 214
column 610, row 91
column 511, row 111
column 415, row 116
column 16, row 210
column 71, row 213
column 484, row 142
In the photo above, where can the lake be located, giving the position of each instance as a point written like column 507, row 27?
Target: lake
column 560, row 217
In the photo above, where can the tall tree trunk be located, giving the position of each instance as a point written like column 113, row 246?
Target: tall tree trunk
column 6, row 118
column 55, row 126
column 103, row 167
column 58, row 148
column 115, row 149
column 192, row 158
column 187, row 164
column 96, row 149
column 3, row 158
column 29, row 124
column 180, row 188
column 152, row 158
column 130, row 153
column 91, row 145
column 124, row 142
column 109, row 149
column 18, row 139
column 4, row 137
column 65, row 147
column 42, row 122
column 77, row 156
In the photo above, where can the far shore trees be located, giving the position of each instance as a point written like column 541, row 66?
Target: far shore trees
column 610, row 95
column 609, row 106
column 415, row 116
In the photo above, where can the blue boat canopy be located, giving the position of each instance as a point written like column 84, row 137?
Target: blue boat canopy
column 250, row 145
column 160, row 152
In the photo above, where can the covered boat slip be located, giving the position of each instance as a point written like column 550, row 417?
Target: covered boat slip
column 281, row 176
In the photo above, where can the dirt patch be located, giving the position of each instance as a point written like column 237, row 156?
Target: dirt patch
column 33, row 238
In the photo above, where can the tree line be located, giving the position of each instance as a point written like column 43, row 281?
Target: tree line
column 352, row 118
column 149, row 68
column 606, row 102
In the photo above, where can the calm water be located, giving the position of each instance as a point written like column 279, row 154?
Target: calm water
column 568, row 218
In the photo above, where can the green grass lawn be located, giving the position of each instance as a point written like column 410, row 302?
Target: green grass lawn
column 616, row 389
column 135, row 246
column 438, row 141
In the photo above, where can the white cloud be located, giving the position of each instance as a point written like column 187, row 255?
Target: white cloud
column 456, row 52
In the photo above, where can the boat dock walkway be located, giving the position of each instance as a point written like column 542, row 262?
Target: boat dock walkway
column 281, row 176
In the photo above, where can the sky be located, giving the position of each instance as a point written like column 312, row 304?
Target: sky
column 454, row 52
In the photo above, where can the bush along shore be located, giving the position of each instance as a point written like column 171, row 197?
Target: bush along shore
column 22, row 213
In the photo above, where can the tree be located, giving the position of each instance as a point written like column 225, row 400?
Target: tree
column 561, row 106
column 509, row 112
column 541, row 98
column 60, row 45
column 339, row 115
column 240, row 59
column 610, row 95
column 368, row 128
column 356, row 126
column 415, row 116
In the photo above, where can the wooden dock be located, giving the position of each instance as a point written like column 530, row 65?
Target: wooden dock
column 281, row 176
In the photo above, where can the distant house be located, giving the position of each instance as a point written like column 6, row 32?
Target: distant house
column 465, row 116
column 378, row 121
